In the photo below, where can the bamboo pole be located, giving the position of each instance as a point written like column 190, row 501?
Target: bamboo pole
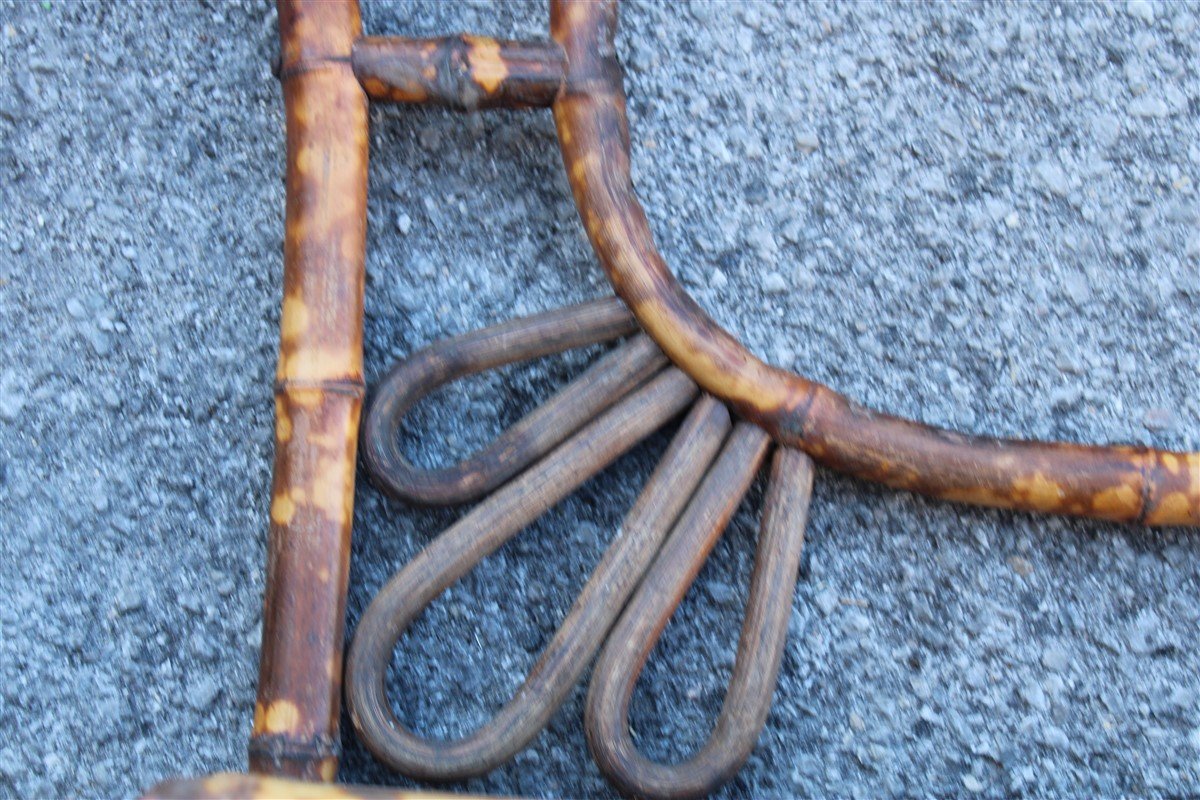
column 318, row 394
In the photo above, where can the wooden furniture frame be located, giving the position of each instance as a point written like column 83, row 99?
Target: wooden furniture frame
column 740, row 405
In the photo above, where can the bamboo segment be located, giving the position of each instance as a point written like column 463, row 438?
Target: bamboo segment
column 532, row 437
column 1127, row 484
column 763, row 636
column 457, row 551
column 318, row 395
column 464, row 72
column 230, row 786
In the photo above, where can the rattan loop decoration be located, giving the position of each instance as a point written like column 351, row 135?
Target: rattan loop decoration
column 660, row 547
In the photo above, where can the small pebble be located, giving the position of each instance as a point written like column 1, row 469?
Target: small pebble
column 808, row 142
column 1135, row 76
column 976, row 677
column 1148, row 107
column 190, row 602
column 1106, row 129
column 1077, row 287
column 1052, row 177
column 857, row 622
column 1194, row 738
column 972, row 784
column 1184, row 25
column 1055, row 658
column 1033, row 694
column 1143, row 633
column 1055, row 737
column 10, row 763
column 202, row 693
column 129, row 599
column 430, row 138
column 774, row 283
column 404, row 224
column 1140, row 9
column 722, row 594
column 1066, row 396
column 827, row 601
column 12, row 397
column 1158, row 419
column 1020, row 565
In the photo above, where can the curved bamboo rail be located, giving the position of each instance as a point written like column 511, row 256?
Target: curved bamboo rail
column 1126, row 484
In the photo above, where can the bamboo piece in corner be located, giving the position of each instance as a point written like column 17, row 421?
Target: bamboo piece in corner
column 318, row 394
column 229, row 786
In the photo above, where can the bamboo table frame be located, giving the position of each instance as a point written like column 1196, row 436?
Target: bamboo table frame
column 329, row 73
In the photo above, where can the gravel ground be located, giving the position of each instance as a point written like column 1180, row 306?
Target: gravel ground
column 984, row 216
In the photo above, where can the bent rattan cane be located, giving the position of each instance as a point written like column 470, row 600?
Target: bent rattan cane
column 681, row 360
column 655, row 556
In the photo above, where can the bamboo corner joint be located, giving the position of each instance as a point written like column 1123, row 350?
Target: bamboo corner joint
column 738, row 414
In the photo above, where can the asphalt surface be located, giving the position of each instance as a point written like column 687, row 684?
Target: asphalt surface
column 982, row 216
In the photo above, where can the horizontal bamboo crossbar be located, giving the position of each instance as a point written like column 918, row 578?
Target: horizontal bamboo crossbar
column 464, row 72
column 232, row 786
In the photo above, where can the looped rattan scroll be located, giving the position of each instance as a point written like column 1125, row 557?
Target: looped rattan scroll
column 686, row 504
column 761, row 643
column 527, row 440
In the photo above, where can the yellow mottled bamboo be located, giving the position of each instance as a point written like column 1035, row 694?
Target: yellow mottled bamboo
column 318, row 394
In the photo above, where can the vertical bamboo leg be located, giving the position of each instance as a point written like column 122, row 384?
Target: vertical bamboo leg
column 318, row 394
